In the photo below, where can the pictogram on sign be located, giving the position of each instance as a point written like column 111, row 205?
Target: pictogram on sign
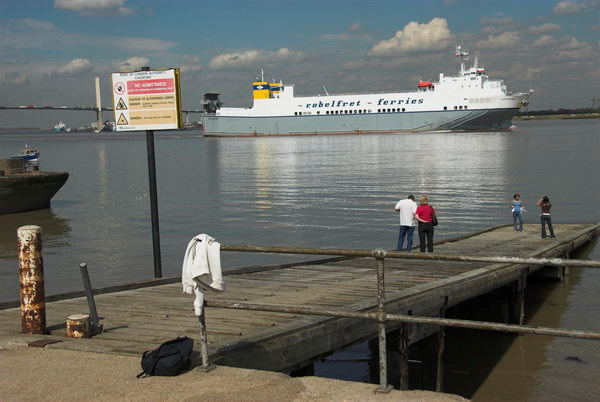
column 122, row 120
column 119, row 88
column 121, row 105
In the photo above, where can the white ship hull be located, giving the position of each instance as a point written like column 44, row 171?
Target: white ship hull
column 374, row 123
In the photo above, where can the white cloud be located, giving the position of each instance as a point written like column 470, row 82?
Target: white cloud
column 190, row 64
column 35, row 34
column 545, row 41
column 254, row 57
column 15, row 78
column 569, row 7
column 544, row 28
column 141, row 44
column 132, row 63
column 497, row 20
column 502, row 41
column 94, row 7
column 573, row 44
column 415, row 37
column 36, row 25
column 354, row 27
column 75, row 66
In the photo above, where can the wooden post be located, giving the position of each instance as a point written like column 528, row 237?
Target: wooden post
column 566, row 269
column 31, row 279
column 78, row 326
column 432, row 355
column 516, row 300
column 404, row 340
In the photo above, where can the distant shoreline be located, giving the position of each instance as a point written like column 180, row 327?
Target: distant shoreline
column 565, row 116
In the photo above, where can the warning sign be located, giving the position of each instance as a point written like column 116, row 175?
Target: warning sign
column 147, row 100
column 121, row 105
column 122, row 120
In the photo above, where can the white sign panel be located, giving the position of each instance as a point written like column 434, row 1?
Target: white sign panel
column 146, row 100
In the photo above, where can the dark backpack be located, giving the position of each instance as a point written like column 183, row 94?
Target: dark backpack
column 170, row 358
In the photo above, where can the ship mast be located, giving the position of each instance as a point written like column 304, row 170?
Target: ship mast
column 464, row 55
column 262, row 74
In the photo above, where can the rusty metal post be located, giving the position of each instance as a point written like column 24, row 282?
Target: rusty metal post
column 31, row 279
column 379, row 255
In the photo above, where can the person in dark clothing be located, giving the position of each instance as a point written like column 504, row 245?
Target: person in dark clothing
column 424, row 214
column 545, row 205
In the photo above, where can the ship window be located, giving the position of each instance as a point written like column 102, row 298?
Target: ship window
column 403, row 109
column 318, row 112
column 460, row 107
column 455, row 108
column 445, row 107
column 337, row 112
column 389, row 110
column 393, row 110
column 295, row 113
column 465, row 106
column 299, row 113
column 378, row 110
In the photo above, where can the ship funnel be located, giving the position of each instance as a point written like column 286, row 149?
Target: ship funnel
column 211, row 102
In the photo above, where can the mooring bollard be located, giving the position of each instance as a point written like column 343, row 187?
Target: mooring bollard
column 31, row 279
column 78, row 326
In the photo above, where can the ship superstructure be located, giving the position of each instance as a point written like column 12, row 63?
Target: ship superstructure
column 469, row 100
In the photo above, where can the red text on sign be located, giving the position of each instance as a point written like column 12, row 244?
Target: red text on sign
column 159, row 86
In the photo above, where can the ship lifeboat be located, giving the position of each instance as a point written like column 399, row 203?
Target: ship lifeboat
column 425, row 84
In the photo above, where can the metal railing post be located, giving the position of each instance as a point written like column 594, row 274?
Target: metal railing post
column 206, row 366
column 379, row 255
column 87, row 285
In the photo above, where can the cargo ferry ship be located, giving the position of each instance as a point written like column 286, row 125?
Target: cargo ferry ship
column 464, row 102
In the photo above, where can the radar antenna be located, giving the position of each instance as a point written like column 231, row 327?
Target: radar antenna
column 464, row 55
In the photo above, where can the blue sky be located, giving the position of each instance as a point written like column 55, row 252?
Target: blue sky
column 50, row 51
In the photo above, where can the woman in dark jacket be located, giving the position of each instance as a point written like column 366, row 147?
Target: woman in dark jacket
column 544, row 204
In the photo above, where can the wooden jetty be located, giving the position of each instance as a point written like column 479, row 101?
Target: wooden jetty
column 138, row 317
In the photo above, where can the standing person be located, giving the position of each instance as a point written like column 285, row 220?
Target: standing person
column 517, row 209
column 424, row 216
column 407, row 209
column 544, row 204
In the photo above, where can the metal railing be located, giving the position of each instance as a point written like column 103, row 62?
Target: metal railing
column 380, row 315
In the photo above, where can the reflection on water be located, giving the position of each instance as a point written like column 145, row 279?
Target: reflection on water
column 320, row 191
column 56, row 231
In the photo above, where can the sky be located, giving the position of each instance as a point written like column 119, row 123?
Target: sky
column 51, row 50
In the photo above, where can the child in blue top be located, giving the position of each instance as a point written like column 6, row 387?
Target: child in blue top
column 518, row 207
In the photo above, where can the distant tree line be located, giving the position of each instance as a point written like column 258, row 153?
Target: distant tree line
column 551, row 112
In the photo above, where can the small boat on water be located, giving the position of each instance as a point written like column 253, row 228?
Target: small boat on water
column 28, row 154
column 60, row 126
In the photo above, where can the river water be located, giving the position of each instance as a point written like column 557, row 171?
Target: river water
column 329, row 191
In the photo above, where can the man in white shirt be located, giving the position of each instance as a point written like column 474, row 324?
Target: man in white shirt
column 407, row 208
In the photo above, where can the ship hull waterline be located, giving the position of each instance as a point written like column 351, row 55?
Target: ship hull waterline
column 368, row 123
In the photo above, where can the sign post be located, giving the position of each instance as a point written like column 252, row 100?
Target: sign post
column 148, row 100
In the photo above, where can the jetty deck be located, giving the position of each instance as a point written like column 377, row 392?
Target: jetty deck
column 139, row 319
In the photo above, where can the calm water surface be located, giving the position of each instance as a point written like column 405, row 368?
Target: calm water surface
column 328, row 191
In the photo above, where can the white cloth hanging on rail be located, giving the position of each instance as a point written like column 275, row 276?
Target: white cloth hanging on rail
column 202, row 269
